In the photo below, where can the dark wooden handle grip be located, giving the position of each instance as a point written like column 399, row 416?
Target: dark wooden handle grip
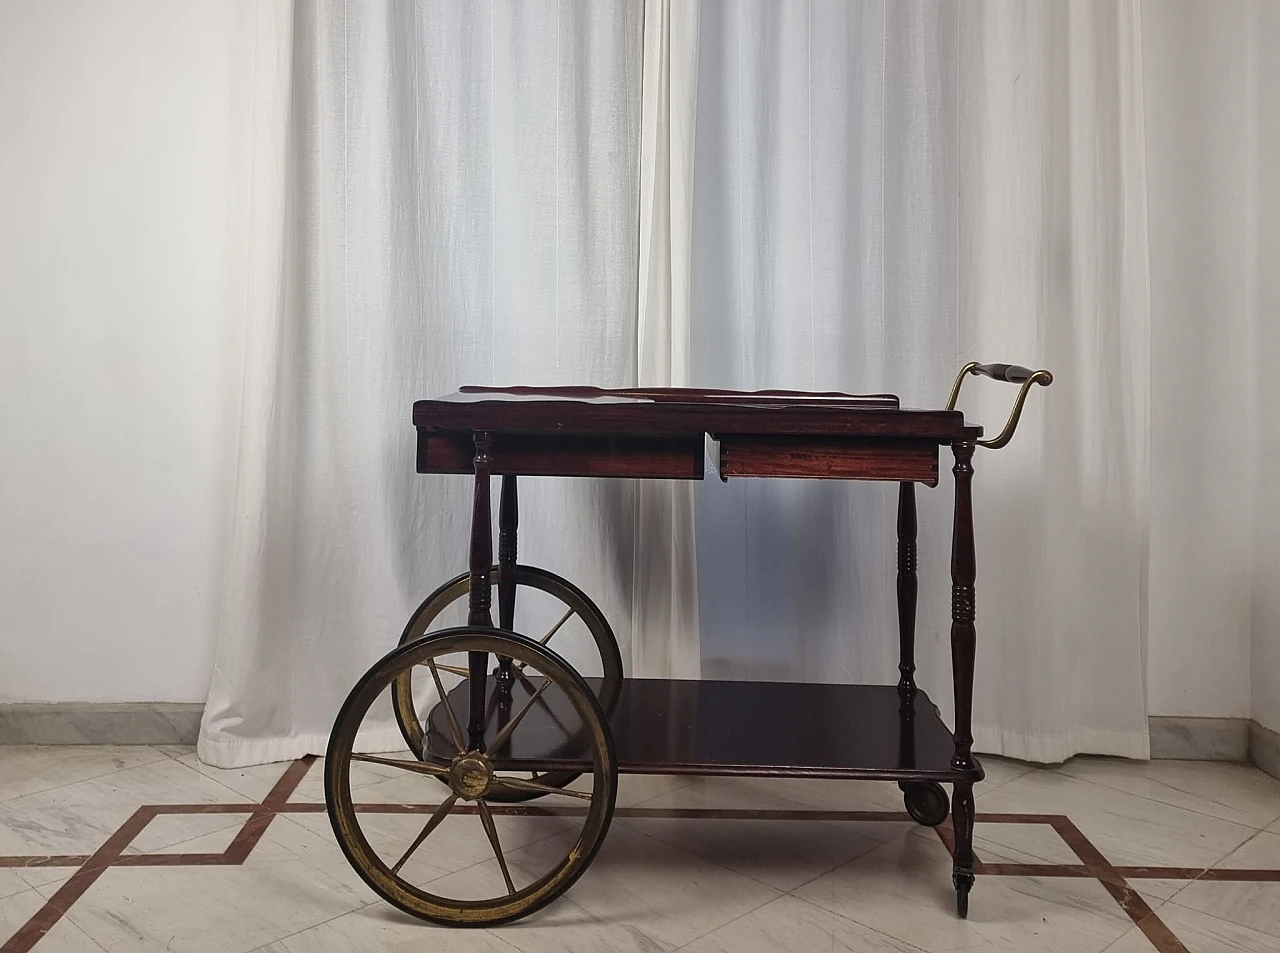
column 1013, row 373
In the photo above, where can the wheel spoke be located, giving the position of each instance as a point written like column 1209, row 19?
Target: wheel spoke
column 441, row 812
column 486, row 818
column 417, row 767
column 510, row 726
column 547, row 638
column 521, row 784
column 556, row 628
column 454, row 669
column 454, row 728
column 542, row 702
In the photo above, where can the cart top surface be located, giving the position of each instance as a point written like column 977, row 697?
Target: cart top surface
column 679, row 411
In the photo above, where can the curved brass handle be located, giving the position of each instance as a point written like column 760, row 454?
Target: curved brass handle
column 1014, row 374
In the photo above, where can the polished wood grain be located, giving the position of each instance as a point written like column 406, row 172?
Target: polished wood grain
column 759, row 729
column 828, row 458
column 555, row 411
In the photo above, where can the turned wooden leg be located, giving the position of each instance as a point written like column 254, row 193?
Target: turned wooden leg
column 907, row 584
column 508, row 520
column 963, row 645
column 480, row 598
column 963, row 634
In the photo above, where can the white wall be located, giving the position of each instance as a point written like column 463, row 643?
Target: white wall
column 120, row 268
column 1198, row 113
column 1265, row 660
column 123, row 163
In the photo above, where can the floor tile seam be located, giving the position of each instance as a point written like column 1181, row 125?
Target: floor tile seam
column 778, row 894
column 1179, row 807
column 289, row 936
column 987, row 787
column 95, row 777
column 1214, row 916
column 691, row 780
column 813, row 906
column 840, row 863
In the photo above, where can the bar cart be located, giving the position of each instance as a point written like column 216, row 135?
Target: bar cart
column 534, row 734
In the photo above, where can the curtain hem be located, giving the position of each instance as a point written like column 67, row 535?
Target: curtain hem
column 1059, row 746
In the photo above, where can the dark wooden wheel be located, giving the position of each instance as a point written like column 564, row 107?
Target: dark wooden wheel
column 572, row 603
column 405, row 869
column 926, row 801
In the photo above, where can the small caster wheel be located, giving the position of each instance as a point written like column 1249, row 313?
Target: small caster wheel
column 963, row 880
column 926, row 801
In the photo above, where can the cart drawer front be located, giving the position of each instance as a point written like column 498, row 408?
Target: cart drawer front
column 832, row 458
column 636, row 456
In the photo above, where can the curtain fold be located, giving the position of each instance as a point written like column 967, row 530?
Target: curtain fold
column 883, row 191
column 828, row 195
column 665, row 584
column 447, row 197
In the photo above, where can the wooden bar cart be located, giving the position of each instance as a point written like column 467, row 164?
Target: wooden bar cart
column 520, row 729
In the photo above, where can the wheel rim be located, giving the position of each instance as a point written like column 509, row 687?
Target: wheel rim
column 576, row 603
column 474, row 777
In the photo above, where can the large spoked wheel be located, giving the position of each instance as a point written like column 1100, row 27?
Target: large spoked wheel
column 454, row 870
column 559, row 605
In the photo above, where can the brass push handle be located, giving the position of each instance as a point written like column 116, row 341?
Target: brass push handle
column 1012, row 373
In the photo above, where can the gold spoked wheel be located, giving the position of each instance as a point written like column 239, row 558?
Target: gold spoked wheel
column 561, row 611
column 461, row 861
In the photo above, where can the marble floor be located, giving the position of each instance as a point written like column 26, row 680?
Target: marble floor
column 144, row 848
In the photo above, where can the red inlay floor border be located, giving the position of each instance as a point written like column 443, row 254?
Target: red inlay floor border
column 89, row 867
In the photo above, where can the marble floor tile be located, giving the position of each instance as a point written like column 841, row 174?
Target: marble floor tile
column 171, row 833
column 11, row 883
column 1199, row 933
column 1156, row 892
column 1232, row 792
column 208, row 909
column 635, row 884
column 1248, row 904
column 30, row 769
column 1001, row 771
column 1127, row 828
column 706, row 883
column 563, row 926
column 255, row 782
column 782, row 854
column 78, row 817
column 45, row 876
column 904, row 890
column 380, row 927
column 996, row 843
column 64, row 937
column 789, row 923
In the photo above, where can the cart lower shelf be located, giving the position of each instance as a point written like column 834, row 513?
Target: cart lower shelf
column 761, row 729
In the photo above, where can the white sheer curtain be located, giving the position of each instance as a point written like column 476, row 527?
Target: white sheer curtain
column 665, row 593
column 880, row 191
column 444, row 194
column 883, row 191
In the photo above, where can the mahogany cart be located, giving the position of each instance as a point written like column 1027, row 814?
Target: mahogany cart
column 534, row 728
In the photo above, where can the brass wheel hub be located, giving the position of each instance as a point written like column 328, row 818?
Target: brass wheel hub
column 471, row 775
